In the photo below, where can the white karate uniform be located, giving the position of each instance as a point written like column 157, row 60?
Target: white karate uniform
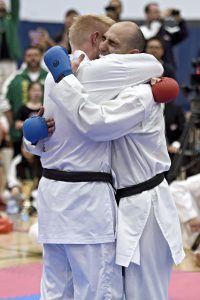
column 136, row 158
column 186, row 195
column 71, row 214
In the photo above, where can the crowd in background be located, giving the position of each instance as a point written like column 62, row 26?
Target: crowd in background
column 21, row 95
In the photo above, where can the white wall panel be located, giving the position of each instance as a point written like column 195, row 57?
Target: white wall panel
column 53, row 10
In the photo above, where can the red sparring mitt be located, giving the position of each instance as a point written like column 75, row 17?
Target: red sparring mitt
column 166, row 90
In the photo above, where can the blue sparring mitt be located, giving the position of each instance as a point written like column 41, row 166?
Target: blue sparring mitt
column 35, row 129
column 58, row 62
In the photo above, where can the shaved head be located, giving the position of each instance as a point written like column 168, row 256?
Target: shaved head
column 123, row 37
column 130, row 34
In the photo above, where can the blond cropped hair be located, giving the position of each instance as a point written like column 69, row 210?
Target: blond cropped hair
column 85, row 25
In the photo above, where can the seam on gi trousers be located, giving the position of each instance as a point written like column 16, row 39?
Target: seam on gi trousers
column 109, row 260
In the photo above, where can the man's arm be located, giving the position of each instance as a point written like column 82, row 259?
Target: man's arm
column 46, row 128
column 104, row 78
column 120, row 73
column 110, row 120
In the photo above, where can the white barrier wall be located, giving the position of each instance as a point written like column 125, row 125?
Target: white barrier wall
column 53, row 10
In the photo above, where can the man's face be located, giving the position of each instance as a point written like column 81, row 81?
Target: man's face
column 33, row 58
column 113, row 41
column 35, row 93
column 69, row 20
column 155, row 48
column 154, row 13
column 113, row 10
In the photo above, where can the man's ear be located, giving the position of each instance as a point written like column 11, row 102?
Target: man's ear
column 94, row 38
column 134, row 51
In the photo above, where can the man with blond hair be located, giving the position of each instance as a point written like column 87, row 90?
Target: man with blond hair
column 86, row 31
column 82, row 240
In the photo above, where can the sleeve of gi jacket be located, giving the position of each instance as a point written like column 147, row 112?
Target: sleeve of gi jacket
column 108, row 121
column 112, row 73
column 37, row 149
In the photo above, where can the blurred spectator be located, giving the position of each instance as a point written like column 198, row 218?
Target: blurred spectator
column 114, row 10
column 10, row 50
column 4, row 129
column 41, row 39
column 171, row 28
column 62, row 38
column 25, row 166
column 174, row 126
column 155, row 47
column 186, row 194
column 174, row 114
column 16, row 90
column 35, row 93
column 13, row 199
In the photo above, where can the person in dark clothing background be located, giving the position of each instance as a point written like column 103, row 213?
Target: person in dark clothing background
column 16, row 90
column 62, row 38
column 171, row 28
column 174, row 114
column 174, row 123
column 29, row 109
column 155, row 47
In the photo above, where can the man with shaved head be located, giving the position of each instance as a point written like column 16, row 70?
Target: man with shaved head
column 123, row 38
column 81, row 143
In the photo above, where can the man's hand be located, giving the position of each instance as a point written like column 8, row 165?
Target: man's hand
column 58, row 62
column 49, row 121
column 37, row 128
column 76, row 63
column 154, row 80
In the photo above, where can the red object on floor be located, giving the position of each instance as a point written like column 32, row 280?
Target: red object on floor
column 185, row 286
column 6, row 225
column 20, row 281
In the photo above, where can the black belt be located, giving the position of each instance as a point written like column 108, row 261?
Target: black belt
column 139, row 188
column 77, row 176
